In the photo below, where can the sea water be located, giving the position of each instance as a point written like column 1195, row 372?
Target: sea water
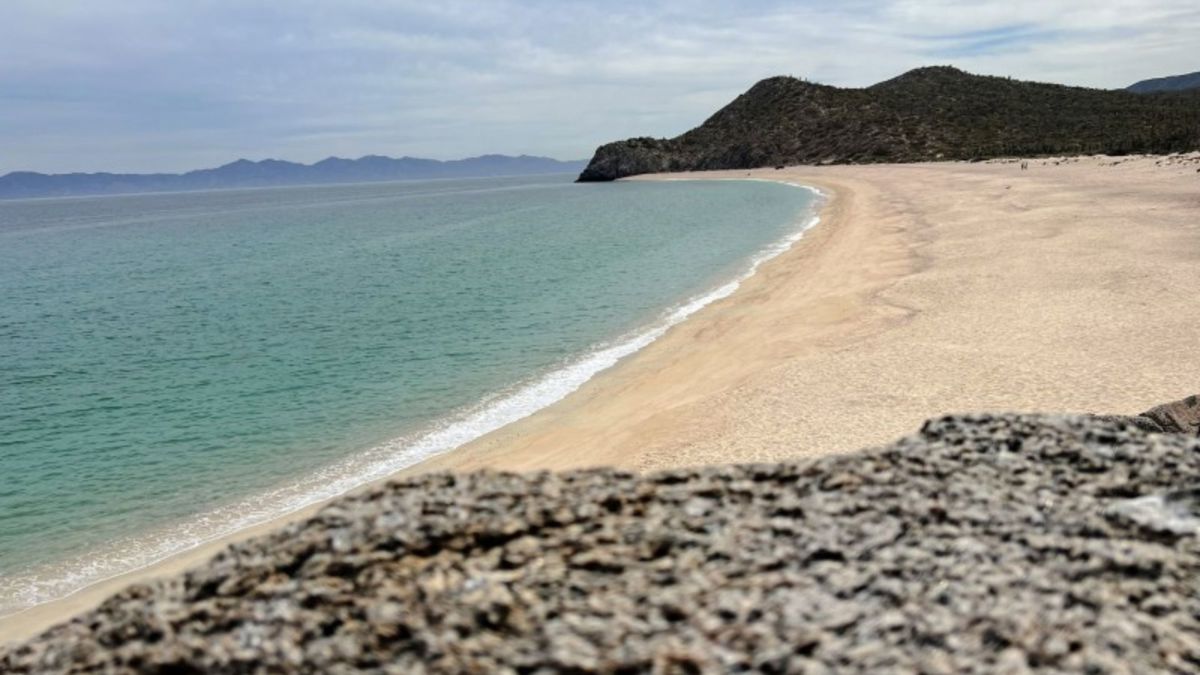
column 175, row 367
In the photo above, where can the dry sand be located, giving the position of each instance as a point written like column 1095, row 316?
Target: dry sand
column 926, row 289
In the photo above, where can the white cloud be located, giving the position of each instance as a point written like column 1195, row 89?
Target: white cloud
column 144, row 85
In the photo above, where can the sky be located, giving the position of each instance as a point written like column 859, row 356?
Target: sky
column 158, row 85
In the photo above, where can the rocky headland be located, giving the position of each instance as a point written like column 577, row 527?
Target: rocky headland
column 927, row 114
column 983, row 543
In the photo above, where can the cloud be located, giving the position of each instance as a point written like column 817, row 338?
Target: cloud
column 144, row 85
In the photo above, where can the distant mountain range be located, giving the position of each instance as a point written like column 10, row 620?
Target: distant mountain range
column 272, row 172
column 923, row 115
column 1173, row 83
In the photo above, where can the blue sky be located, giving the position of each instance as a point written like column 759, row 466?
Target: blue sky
column 155, row 85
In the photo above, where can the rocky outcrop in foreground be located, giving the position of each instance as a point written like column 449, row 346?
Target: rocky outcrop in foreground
column 989, row 544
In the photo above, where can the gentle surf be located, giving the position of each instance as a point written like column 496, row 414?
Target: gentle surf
column 181, row 366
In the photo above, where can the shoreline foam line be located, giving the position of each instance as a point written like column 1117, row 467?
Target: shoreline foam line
column 26, row 591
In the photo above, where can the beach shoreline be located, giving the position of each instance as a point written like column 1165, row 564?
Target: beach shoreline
column 926, row 289
column 31, row 620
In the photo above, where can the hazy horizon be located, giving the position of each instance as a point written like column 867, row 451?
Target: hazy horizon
column 142, row 87
column 257, row 160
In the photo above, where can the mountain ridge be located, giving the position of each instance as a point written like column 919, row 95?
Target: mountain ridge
column 245, row 173
column 1183, row 82
column 926, row 114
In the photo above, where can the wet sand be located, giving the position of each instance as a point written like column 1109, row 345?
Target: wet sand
column 926, row 289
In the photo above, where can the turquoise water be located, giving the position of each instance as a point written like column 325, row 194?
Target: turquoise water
column 174, row 367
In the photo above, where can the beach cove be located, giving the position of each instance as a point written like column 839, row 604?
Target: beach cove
column 925, row 289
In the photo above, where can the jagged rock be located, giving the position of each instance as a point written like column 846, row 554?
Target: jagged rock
column 1177, row 417
column 983, row 544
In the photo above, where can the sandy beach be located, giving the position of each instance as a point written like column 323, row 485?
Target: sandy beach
column 926, row 289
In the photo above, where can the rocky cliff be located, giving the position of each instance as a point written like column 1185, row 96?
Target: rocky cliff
column 924, row 115
column 982, row 544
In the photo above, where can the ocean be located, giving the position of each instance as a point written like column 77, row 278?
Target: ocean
column 174, row 367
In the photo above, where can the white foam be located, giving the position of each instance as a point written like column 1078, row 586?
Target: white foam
column 24, row 590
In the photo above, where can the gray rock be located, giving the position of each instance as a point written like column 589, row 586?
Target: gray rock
column 1177, row 417
column 1174, row 513
column 983, row 544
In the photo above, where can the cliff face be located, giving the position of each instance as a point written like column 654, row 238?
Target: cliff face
column 628, row 158
column 924, row 115
column 981, row 544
